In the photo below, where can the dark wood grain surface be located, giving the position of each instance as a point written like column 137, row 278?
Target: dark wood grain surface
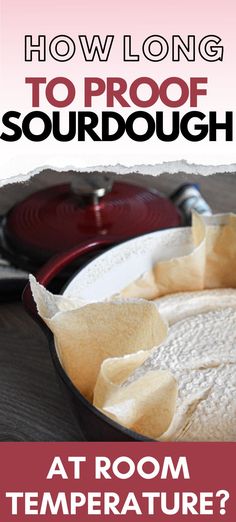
column 32, row 406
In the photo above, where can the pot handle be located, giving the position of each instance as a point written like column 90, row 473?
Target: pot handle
column 55, row 265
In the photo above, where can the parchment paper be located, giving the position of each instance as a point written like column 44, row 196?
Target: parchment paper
column 210, row 265
column 100, row 345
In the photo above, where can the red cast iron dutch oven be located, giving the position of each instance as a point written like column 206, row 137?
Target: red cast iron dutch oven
column 92, row 424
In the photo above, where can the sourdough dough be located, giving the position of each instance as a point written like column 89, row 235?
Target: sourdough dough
column 200, row 351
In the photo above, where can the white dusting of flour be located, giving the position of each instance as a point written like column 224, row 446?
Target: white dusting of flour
column 200, row 351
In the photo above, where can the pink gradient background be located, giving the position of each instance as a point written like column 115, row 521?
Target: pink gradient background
column 73, row 17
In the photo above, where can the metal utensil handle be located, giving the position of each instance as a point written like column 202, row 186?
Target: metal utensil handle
column 55, row 265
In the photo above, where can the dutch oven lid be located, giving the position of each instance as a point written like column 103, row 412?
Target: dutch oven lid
column 92, row 206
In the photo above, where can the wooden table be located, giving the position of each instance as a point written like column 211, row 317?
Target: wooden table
column 32, row 406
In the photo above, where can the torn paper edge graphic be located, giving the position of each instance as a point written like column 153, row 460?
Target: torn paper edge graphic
column 170, row 167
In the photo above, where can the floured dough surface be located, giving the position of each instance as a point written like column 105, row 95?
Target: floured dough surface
column 200, row 351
